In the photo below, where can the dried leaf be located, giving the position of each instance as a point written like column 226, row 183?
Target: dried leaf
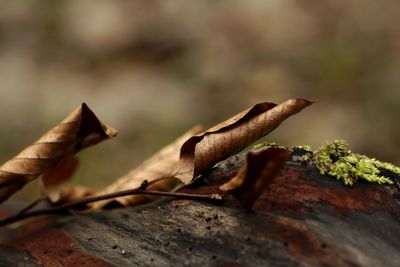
column 204, row 150
column 162, row 164
column 256, row 173
column 79, row 130
column 195, row 152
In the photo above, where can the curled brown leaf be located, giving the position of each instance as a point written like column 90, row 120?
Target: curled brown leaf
column 204, row 150
column 256, row 173
column 77, row 131
column 178, row 163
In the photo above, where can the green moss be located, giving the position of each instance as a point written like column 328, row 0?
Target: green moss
column 335, row 159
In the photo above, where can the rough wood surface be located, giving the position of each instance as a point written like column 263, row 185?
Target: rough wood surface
column 302, row 219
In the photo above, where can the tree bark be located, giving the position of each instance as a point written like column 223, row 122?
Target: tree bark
column 301, row 219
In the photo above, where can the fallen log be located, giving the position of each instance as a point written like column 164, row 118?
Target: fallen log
column 303, row 218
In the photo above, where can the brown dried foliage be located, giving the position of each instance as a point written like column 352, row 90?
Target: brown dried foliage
column 172, row 167
column 77, row 131
column 204, row 150
column 195, row 151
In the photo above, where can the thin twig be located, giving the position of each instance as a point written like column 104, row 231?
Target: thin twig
column 136, row 191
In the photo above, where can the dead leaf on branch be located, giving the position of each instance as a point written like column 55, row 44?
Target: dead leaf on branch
column 197, row 151
column 77, row 131
column 204, row 150
column 255, row 174
column 194, row 152
column 171, row 168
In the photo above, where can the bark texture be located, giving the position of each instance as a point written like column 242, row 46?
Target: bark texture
column 301, row 219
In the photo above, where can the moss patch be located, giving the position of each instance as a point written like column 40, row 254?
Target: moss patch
column 335, row 159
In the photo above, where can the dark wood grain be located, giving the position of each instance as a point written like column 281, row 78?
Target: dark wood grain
column 302, row 219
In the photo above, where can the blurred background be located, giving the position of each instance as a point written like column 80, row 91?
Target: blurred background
column 153, row 69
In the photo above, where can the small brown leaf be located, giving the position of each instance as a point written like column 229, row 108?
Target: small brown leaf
column 204, row 150
column 161, row 164
column 79, row 130
column 256, row 173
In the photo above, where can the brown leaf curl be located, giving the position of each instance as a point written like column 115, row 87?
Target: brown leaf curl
column 77, row 131
column 204, row 150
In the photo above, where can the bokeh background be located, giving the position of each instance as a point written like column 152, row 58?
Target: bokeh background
column 153, row 69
